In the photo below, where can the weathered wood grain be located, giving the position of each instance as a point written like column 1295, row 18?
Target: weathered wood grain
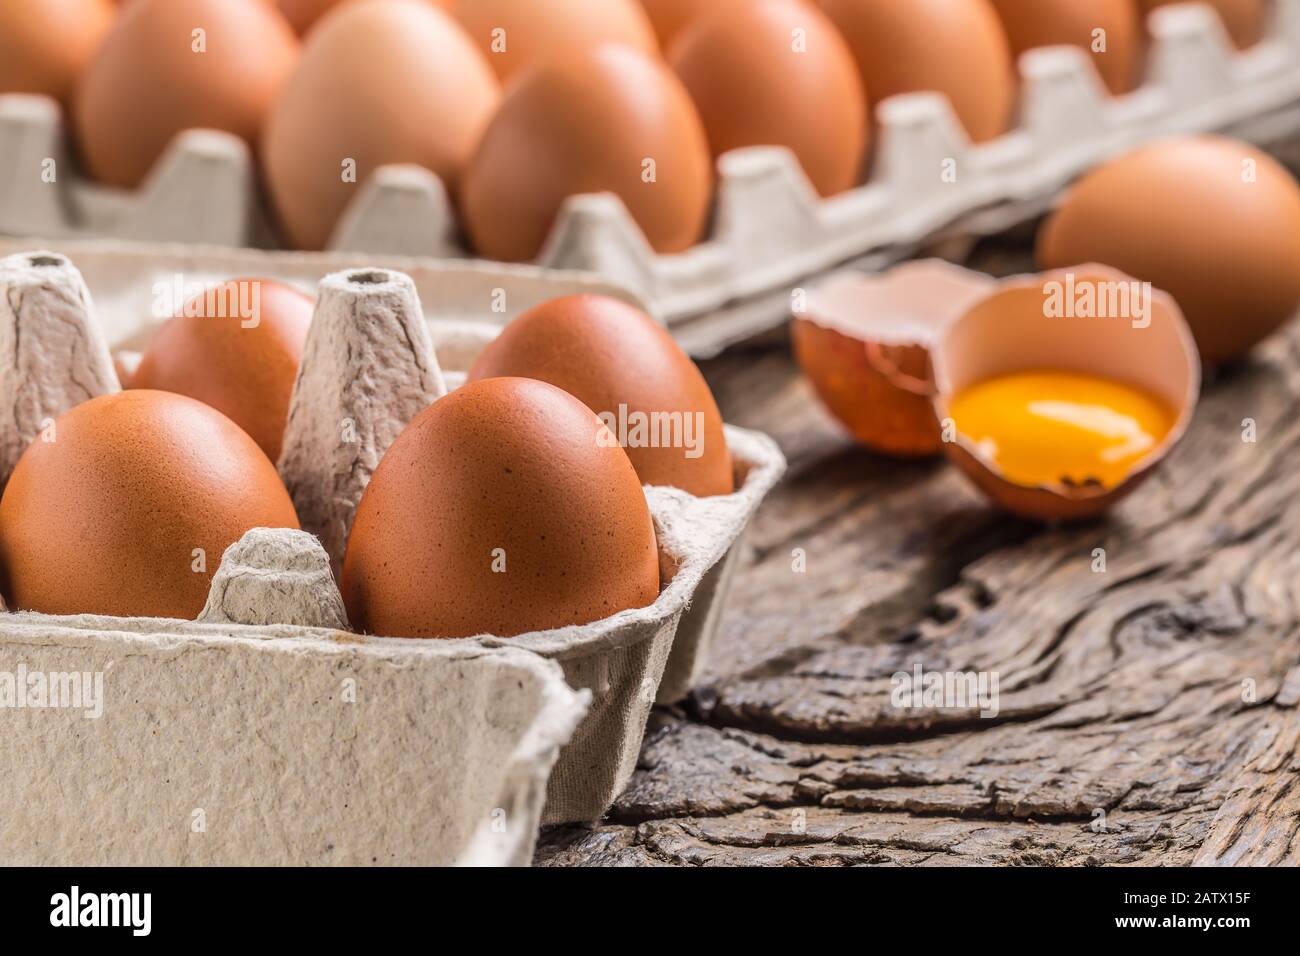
column 1148, row 711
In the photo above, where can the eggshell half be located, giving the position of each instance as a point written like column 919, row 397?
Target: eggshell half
column 1213, row 221
column 864, row 342
column 1009, row 331
column 604, row 119
column 129, row 506
column 45, row 45
column 1083, row 23
column 380, row 82
column 171, row 65
column 243, row 366
column 504, row 507
column 626, row 368
column 954, row 47
column 777, row 73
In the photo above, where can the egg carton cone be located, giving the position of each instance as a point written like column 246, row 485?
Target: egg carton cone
column 770, row 229
column 262, row 732
column 396, row 338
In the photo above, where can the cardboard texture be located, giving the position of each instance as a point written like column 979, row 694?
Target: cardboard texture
column 370, row 324
column 770, row 228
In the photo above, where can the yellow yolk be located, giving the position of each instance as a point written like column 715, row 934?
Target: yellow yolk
column 1047, row 427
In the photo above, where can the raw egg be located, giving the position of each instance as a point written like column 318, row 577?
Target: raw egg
column 379, row 82
column 125, row 505
column 603, row 119
column 44, row 46
column 171, row 65
column 1244, row 20
column 516, row 34
column 237, row 348
column 777, row 74
column 1108, row 29
column 1058, row 393
column 954, row 47
column 626, row 368
column 504, row 507
column 1213, row 221
column 864, row 342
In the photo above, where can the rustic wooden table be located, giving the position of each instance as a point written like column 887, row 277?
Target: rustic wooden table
column 1148, row 711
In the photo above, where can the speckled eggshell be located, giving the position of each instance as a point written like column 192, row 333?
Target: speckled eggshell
column 506, row 473
column 607, row 353
column 954, row 47
column 588, row 123
column 777, row 73
column 379, row 82
column 45, row 45
column 1037, row 23
column 106, row 517
column 147, row 83
column 517, row 34
column 244, row 368
column 1213, row 221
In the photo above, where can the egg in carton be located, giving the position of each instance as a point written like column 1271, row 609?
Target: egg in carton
column 770, row 228
column 370, row 326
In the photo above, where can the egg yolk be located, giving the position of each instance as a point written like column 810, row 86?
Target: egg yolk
column 1049, row 427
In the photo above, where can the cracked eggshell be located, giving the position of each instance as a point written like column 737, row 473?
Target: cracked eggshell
column 517, row 34
column 1010, row 331
column 105, row 517
column 244, row 367
column 604, row 119
column 1213, row 221
column 148, row 81
column 755, row 85
column 1030, row 24
column 45, row 46
column 954, row 47
column 504, row 507
column 610, row 355
column 379, row 82
column 864, row 342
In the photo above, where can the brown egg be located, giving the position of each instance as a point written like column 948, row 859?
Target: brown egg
column 303, row 14
column 1244, row 20
column 626, row 368
column 380, row 82
column 45, row 46
column 237, row 348
column 777, row 74
column 954, row 47
column 865, row 342
column 129, row 507
column 606, row 119
column 516, row 34
column 668, row 17
column 1017, row 328
column 504, row 507
column 1213, row 221
column 172, row 65
column 1038, row 23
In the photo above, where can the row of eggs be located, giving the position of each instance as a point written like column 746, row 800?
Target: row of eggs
column 518, row 104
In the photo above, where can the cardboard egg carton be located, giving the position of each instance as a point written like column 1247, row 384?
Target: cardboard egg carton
column 770, row 229
column 370, row 325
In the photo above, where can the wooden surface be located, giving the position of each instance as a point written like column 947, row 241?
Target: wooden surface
column 1148, row 712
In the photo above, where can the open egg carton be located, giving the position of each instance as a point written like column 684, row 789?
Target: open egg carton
column 372, row 358
column 770, row 229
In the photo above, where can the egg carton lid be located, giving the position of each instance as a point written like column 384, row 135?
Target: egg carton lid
column 770, row 228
